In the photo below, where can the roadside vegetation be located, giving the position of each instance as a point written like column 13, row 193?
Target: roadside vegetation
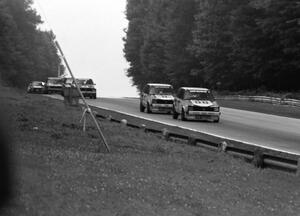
column 59, row 170
column 26, row 52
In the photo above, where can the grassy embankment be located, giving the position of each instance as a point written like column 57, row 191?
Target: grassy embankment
column 272, row 109
column 58, row 170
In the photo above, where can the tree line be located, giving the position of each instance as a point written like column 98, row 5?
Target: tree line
column 221, row 44
column 26, row 52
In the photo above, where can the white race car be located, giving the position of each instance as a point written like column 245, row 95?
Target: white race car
column 196, row 104
column 157, row 97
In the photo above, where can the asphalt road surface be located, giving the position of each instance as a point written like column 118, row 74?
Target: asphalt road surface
column 279, row 133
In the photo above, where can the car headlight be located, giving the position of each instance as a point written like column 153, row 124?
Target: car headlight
column 216, row 109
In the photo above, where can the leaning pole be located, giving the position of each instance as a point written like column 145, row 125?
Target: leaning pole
column 87, row 107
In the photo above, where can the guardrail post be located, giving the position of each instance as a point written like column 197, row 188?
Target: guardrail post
column 165, row 133
column 223, row 146
column 192, row 140
column 258, row 158
column 124, row 122
column 143, row 127
column 109, row 118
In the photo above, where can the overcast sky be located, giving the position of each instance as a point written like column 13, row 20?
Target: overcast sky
column 90, row 33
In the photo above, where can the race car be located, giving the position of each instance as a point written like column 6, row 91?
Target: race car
column 196, row 104
column 36, row 87
column 54, row 85
column 156, row 97
column 87, row 86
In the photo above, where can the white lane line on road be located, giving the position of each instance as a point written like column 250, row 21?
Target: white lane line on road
column 190, row 129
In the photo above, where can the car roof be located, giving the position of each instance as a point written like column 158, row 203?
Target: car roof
column 70, row 78
column 159, row 84
column 195, row 89
column 55, row 78
column 84, row 79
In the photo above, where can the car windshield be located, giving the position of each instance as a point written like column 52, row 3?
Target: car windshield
column 55, row 81
column 69, row 81
column 37, row 83
column 162, row 90
column 85, row 82
column 198, row 95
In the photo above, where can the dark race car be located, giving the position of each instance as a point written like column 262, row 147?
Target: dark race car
column 87, row 87
column 36, row 87
column 54, row 85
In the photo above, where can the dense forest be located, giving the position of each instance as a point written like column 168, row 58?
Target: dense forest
column 26, row 52
column 221, row 44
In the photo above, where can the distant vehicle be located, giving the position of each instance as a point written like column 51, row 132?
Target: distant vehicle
column 196, row 104
column 87, row 87
column 68, row 82
column 36, row 87
column 157, row 97
column 54, row 85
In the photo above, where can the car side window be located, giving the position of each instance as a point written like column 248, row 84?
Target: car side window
column 152, row 90
column 187, row 95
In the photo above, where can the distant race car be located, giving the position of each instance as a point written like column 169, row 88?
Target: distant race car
column 87, row 87
column 196, row 104
column 157, row 97
column 36, row 87
column 54, row 85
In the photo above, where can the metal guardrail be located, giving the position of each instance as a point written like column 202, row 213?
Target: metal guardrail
column 264, row 99
column 259, row 156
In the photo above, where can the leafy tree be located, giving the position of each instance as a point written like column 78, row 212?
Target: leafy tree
column 280, row 26
column 26, row 53
column 224, row 44
column 180, row 65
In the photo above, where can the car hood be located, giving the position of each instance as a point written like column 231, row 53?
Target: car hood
column 164, row 97
column 203, row 103
column 56, row 85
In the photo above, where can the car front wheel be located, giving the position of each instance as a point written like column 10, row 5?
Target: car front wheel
column 148, row 108
column 142, row 108
column 183, row 118
column 175, row 114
